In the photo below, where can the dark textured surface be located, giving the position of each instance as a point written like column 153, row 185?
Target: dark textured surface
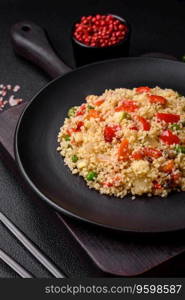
column 152, row 31
column 39, row 223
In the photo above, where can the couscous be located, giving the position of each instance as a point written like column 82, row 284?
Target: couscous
column 127, row 141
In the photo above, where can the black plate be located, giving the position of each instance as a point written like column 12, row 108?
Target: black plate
column 43, row 167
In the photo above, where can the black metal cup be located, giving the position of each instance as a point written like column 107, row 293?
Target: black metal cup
column 84, row 54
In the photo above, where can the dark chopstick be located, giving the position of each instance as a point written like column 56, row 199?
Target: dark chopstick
column 34, row 250
column 14, row 265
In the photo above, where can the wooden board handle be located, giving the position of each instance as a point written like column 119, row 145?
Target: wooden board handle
column 30, row 41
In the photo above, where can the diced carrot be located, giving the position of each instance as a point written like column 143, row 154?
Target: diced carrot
column 117, row 178
column 69, row 131
column 168, row 167
column 123, row 151
column 93, row 114
column 99, row 102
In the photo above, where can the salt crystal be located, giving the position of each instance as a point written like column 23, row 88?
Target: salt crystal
column 16, row 88
column 12, row 101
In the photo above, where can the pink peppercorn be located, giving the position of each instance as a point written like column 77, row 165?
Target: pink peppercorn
column 100, row 30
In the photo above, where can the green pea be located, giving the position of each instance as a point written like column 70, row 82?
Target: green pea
column 71, row 112
column 175, row 126
column 74, row 158
column 90, row 106
column 183, row 58
column 67, row 137
column 91, row 176
column 180, row 149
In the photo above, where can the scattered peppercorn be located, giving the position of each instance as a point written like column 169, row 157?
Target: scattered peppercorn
column 100, row 30
column 74, row 158
column 91, row 176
